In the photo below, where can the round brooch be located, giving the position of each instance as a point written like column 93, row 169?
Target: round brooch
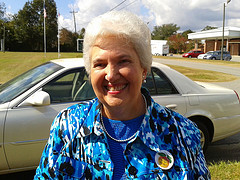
column 164, row 159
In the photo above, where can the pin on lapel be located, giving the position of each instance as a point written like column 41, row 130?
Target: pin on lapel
column 164, row 159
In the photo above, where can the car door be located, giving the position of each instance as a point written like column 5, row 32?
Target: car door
column 164, row 92
column 217, row 55
column 27, row 127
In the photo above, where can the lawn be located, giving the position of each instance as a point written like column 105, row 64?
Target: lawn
column 14, row 63
column 225, row 170
column 204, row 75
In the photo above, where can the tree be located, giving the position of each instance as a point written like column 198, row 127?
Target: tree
column 177, row 43
column 29, row 26
column 165, row 31
column 68, row 40
column 82, row 33
column 208, row 28
column 2, row 10
column 6, row 28
column 9, row 38
column 185, row 33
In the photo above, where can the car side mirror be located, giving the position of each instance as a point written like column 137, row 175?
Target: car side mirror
column 39, row 98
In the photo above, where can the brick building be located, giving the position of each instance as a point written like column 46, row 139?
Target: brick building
column 213, row 39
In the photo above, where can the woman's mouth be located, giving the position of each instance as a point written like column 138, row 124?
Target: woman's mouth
column 113, row 88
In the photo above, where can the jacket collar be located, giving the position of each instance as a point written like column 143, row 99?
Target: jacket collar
column 92, row 123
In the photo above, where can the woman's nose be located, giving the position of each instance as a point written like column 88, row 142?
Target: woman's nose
column 111, row 73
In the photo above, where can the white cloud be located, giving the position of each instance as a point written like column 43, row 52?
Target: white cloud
column 188, row 14
column 86, row 10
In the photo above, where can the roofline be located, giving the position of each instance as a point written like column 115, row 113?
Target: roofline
column 230, row 32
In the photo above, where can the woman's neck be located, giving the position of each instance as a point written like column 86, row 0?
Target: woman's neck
column 125, row 112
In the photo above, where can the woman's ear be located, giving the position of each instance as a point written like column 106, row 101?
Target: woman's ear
column 144, row 73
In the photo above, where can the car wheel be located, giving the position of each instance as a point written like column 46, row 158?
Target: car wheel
column 227, row 58
column 189, row 56
column 204, row 135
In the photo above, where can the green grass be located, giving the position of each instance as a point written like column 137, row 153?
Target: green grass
column 225, row 170
column 15, row 63
column 204, row 75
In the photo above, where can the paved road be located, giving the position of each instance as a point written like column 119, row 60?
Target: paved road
column 198, row 65
column 229, row 148
column 235, row 85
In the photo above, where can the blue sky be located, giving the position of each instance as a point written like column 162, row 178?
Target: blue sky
column 188, row 14
column 14, row 6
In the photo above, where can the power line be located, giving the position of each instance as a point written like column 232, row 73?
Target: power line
column 109, row 10
column 128, row 4
column 117, row 5
column 112, row 9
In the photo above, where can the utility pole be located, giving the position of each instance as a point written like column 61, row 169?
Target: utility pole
column 224, row 6
column 44, row 27
column 58, row 36
column 223, row 31
column 4, row 34
column 74, row 20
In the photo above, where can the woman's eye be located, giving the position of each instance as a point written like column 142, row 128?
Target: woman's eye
column 99, row 65
column 125, row 61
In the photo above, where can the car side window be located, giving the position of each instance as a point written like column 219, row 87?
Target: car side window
column 158, row 84
column 69, row 87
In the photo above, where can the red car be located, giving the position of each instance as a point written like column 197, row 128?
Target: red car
column 193, row 53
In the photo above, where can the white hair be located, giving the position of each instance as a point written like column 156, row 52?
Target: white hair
column 119, row 23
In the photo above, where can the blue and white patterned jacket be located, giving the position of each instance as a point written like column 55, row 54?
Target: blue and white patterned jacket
column 77, row 147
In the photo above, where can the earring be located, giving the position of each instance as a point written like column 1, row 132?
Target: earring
column 144, row 80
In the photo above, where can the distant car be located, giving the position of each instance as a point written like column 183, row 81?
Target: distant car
column 216, row 55
column 192, row 54
column 201, row 56
column 29, row 103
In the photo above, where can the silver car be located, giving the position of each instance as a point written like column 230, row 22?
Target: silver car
column 29, row 103
column 216, row 55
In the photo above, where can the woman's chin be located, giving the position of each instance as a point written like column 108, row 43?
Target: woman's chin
column 114, row 101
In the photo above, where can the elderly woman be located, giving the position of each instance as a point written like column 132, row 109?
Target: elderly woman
column 123, row 133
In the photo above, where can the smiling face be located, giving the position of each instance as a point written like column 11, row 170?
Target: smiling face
column 116, row 74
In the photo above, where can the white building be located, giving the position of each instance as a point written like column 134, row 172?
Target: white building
column 213, row 39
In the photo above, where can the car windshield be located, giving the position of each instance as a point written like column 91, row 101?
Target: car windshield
column 210, row 52
column 23, row 82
